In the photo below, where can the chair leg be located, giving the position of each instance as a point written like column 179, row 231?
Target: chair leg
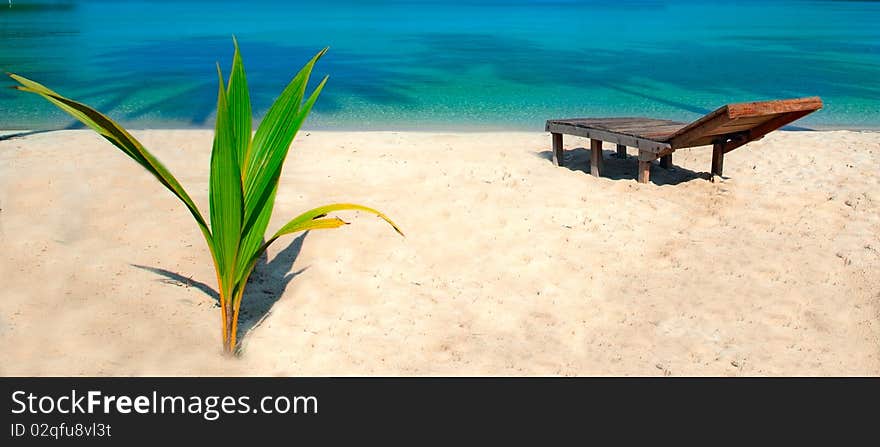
column 621, row 151
column 666, row 161
column 595, row 157
column 644, row 171
column 645, row 159
column 717, row 159
column 558, row 152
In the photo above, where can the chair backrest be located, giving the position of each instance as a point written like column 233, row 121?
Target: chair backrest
column 746, row 121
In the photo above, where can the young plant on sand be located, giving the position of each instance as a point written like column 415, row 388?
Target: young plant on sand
column 243, row 178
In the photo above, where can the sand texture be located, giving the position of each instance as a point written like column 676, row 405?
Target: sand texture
column 510, row 266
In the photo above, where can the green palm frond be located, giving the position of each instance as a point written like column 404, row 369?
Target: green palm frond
column 244, row 175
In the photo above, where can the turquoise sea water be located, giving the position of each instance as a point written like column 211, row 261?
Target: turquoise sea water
column 428, row 64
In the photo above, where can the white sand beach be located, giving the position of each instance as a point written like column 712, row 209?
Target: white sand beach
column 510, row 265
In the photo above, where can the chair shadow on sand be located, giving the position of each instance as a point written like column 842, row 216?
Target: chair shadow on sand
column 265, row 286
column 578, row 159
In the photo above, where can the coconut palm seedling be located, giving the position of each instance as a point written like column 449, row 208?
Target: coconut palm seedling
column 244, row 173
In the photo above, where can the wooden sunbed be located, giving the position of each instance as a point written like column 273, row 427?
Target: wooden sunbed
column 725, row 129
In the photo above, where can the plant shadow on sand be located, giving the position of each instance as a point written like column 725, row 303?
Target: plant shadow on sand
column 265, row 286
column 614, row 168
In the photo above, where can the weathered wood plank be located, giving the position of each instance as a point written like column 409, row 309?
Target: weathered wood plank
column 752, row 119
column 699, row 129
column 763, row 129
column 614, row 121
column 758, row 108
column 596, row 157
column 604, row 135
column 621, row 151
column 724, row 120
column 636, row 127
column 726, row 130
column 558, row 151
column 722, row 135
column 709, row 140
column 656, row 133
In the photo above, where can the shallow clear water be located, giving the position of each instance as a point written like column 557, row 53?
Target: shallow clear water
column 421, row 64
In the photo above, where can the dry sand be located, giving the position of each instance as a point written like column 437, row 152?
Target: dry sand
column 511, row 266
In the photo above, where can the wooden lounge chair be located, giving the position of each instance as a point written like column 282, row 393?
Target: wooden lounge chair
column 725, row 129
